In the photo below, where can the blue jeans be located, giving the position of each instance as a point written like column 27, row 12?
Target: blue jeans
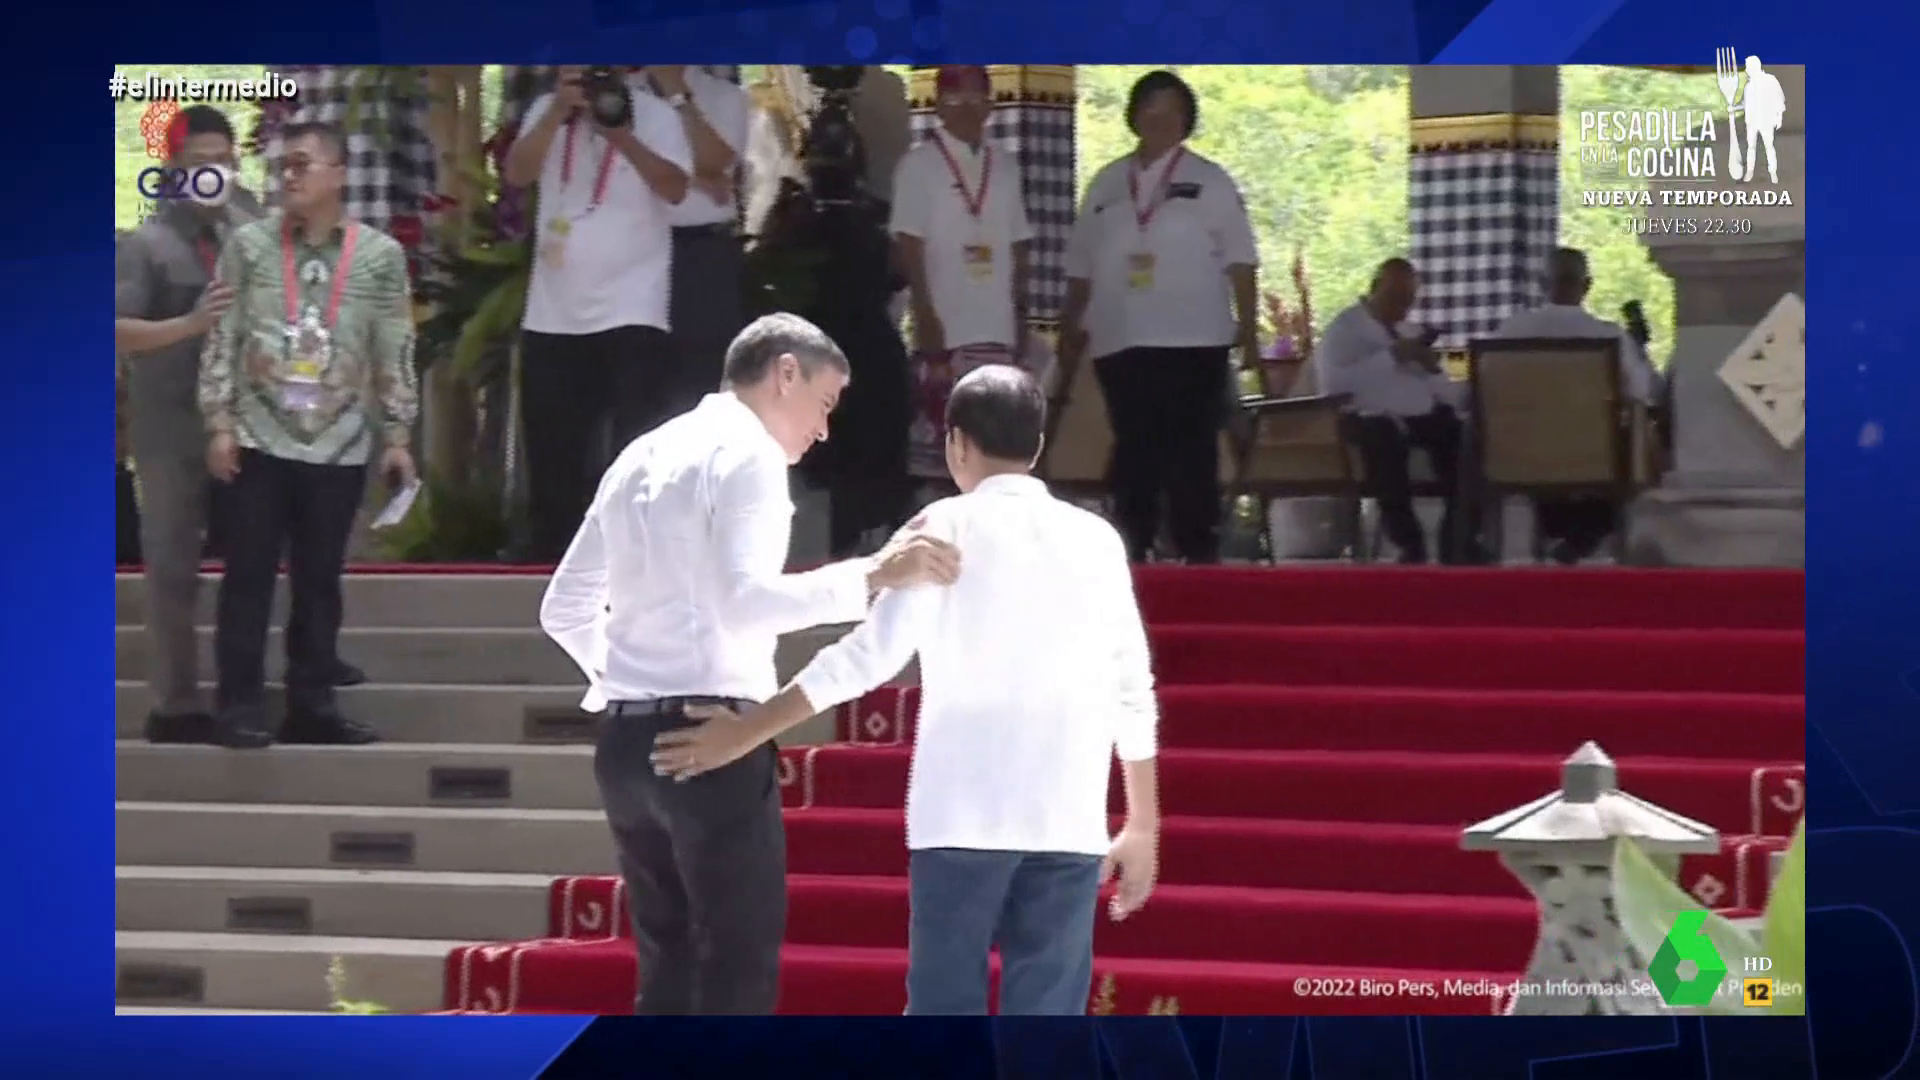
column 1038, row 908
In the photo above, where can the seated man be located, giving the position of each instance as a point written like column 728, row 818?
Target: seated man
column 1576, row 526
column 1400, row 399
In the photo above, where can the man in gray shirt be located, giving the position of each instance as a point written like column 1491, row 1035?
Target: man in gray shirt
column 165, row 302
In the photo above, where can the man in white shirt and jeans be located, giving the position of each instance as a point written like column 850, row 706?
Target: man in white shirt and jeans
column 1034, row 670
column 594, row 337
column 1577, row 526
column 672, row 595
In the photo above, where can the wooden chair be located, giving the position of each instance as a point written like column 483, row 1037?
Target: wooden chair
column 1291, row 448
column 1079, row 443
column 1551, row 419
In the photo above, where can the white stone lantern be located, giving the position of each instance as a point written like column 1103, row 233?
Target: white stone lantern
column 1561, row 847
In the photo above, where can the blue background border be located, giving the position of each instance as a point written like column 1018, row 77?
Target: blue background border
column 1863, row 648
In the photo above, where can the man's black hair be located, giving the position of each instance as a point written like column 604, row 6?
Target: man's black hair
column 1002, row 410
column 1152, row 83
column 205, row 120
column 329, row 134
column 766, row 339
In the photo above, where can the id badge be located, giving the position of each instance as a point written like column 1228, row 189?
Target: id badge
column 979, row 261
column 554, row 251
column 300, row 390
column 1140, row 270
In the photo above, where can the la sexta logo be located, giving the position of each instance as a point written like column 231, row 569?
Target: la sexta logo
column 204, row 184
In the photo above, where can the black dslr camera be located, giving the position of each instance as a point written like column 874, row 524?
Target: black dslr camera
column 609, row 98
column 835, row 160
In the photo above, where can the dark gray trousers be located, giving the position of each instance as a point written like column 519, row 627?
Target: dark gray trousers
column 705, row 863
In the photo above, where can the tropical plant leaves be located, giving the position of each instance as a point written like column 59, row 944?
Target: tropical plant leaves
column 1647, row 900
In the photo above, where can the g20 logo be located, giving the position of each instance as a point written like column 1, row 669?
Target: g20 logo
column 206, row 183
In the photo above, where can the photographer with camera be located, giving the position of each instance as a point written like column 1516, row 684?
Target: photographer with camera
column 609, row 164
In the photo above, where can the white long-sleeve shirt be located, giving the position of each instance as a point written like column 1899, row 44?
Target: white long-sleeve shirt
column 1638, row 379
column 1034, row 671
column 674, row 584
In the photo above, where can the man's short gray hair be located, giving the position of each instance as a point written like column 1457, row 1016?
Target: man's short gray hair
column 766, row 339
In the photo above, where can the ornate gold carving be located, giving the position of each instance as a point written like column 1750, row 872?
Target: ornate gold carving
column 1013, row 84
column 1484, row 131
column 1767, row 372
column 1103, row 997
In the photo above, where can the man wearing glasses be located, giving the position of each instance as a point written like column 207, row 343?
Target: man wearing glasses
column 310, row 365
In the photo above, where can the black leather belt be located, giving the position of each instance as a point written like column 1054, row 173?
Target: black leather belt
column 718, row 228
column 668, row 705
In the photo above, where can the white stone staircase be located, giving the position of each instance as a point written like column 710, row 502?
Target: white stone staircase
column 240, row 876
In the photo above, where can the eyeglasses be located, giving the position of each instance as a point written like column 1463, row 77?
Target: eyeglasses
column 300, row 166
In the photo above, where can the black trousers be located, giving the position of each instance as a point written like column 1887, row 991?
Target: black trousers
column 275, row 505
column 126, row 518
column 709, row 301
column 1386, row 445
column 569, row 385
column 705, row 863
column 1166, row 408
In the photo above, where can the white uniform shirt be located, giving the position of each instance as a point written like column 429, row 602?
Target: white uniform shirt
column 728, row 111
column 1355, row 356
column 615, row 259
column 674, row 584
column 1034, row 670
column 969, row 261
column 1197, row 230
column 1637, row 378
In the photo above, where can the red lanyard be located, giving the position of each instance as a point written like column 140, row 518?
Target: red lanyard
column 601, row 176
column 975, row 201
column 209, row 255
column 290, row 278
column 1144, row 217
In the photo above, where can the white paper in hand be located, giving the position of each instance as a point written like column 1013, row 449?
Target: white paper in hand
column 397, row 507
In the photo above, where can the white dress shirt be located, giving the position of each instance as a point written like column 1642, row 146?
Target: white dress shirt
column 1637, row 377
column 1034, row 670
column 728, row 110
column 1355, row 356
column 1197, row 230
column 969, row 261
column 614, row 267
column 674, row 584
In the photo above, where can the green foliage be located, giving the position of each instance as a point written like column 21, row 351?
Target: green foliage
column 1784, row 934
column 1647, row 899
column 452, row 522
column 337, row 991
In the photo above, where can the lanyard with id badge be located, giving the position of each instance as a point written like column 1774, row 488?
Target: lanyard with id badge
column 977, row 254
column 1140, row 261
column 553, row 248
column 309, row 330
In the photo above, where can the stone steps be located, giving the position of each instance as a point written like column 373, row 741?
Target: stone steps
column 280, row 972
column 425, row 838
column 384, row 774
column 333, row 903
column 420, row 713
column 522, row 657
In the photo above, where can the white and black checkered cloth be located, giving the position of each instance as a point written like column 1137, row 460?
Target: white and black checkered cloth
column 1042, row 138
column 391, row 164
column 1483, row 223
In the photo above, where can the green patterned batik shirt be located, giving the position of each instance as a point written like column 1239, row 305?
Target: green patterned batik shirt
column 369, row 380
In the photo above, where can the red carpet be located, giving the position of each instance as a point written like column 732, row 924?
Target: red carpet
column 1326, row 734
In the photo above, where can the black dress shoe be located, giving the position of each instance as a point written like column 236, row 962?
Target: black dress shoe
column 345, row 674
column 241, row 736
column 326, row 728
column 193, row 727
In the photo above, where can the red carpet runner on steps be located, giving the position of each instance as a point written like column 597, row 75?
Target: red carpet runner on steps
column 1326, row 734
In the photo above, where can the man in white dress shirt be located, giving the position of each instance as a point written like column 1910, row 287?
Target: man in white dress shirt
column 1034, row 671
column 594, row 339
column 673, row 595
column 1400, row 399
column 962, row 239
column 1578, row 526
column 707, row 297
